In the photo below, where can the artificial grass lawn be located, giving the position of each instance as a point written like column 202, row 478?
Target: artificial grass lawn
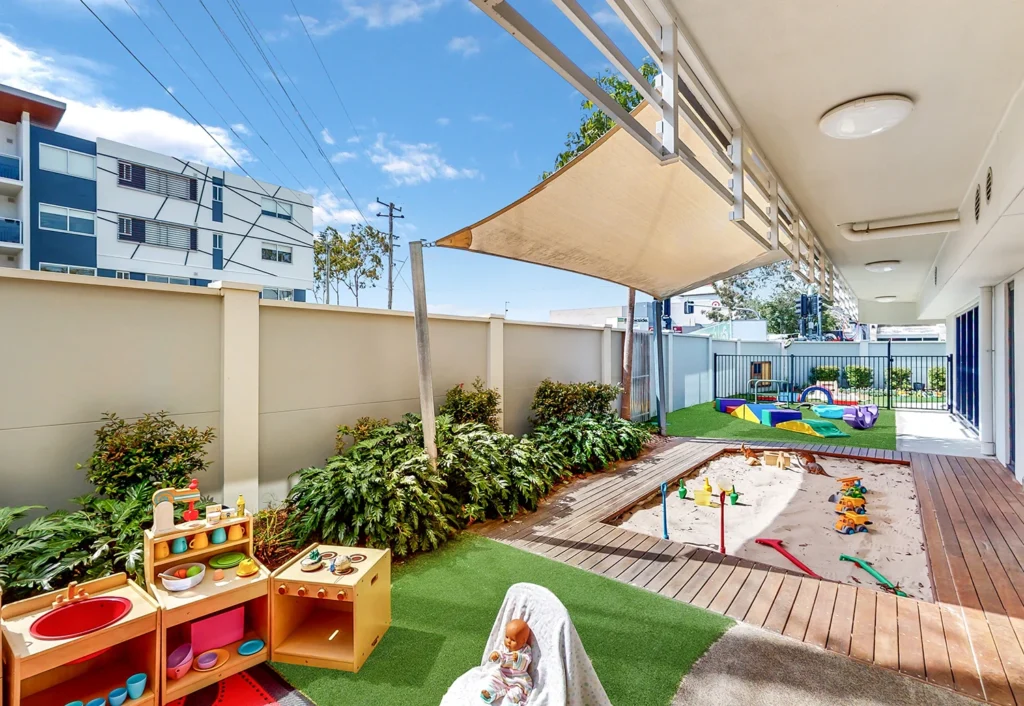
column 703, row 420
column 443, row 606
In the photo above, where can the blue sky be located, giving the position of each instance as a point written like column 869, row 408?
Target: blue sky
column 451, row 117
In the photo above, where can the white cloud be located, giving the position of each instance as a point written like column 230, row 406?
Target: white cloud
column 339, row 157
column 325, row 135
column 389, row 13
column 241, row 129
column 353, row 140
column 415, row 163
column 467, row 46
column 443, row 122
column 90, row 115
column 479, row 118
column 328, row 210
column 607, row 18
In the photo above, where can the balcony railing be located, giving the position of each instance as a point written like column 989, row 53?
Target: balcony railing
column 10, row 230
column 10, row 167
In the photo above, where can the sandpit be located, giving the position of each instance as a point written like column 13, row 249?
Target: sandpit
column 793, row 506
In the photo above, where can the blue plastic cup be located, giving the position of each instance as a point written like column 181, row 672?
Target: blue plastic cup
column 117, row 696
column 136, row 685
column 74, row 703
column 97, row 702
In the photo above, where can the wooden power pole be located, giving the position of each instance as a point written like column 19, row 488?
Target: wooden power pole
column 390, row 215
column 626, row 411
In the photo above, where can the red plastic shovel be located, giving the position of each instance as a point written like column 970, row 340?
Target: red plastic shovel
column 776, row 544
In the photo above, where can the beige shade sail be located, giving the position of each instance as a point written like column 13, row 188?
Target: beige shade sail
column 615, row 213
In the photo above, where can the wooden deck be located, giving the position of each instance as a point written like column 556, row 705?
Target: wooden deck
column 970, row 640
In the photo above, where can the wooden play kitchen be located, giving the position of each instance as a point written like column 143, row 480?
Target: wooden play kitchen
column 211, row 612
column 331, row 606
column 96, row 640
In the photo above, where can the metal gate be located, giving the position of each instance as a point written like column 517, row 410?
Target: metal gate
column 640, row 400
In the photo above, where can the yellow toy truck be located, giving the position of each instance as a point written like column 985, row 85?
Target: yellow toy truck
column 848, row 504
column 850, row 522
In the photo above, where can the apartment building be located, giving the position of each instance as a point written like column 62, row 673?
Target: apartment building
column 106, row 209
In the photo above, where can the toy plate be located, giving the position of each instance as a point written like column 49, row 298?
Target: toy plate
column 250, row 647
column 227, row 560
column 222, row 657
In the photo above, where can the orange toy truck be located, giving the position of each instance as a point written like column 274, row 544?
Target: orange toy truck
column 848, row 504
column 850, row 522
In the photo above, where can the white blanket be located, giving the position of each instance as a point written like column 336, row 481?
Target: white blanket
column 561, row 670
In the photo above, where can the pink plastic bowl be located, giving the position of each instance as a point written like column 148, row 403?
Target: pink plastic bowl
column 179, row 661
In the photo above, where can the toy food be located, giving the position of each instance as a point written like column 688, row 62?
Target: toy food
column 192, row 571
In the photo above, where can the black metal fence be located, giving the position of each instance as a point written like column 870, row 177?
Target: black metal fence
column 893, row 382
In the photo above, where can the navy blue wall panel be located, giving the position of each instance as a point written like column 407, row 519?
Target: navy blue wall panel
column 300, row 295
column 60, row 190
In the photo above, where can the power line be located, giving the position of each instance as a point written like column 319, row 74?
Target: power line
column 168, row 91
column 337, row 93
column 232, row 3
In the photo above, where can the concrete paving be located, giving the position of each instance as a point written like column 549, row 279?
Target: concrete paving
column 751, row 666
column 935, row 432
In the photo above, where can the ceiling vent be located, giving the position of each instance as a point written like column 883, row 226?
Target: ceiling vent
column 935, row 276
column 977, row 203
column 988, row 185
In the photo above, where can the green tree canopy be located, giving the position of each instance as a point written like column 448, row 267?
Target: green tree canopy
column 356, row 260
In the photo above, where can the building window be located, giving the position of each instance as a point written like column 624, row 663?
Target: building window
column 278, row 209
column 277, row 253
column 278, row 294
column 156, row 181
column 218, row 241
column 218, row 199
column 68, row 220
column 58, row 159
column 67, row 269
column 168, row 235
column 166, row 279
column 124, row 226
column 124, row 171
column 120, row 274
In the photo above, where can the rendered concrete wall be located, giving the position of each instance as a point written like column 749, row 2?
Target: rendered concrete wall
column 76, row 347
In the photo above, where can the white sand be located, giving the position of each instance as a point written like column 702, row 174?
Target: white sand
column 793, row 506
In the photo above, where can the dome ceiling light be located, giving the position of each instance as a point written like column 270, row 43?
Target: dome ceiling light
column 882, row 266
column 886, row 298
column 864, row 117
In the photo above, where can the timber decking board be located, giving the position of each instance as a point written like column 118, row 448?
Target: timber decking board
column 972, row 517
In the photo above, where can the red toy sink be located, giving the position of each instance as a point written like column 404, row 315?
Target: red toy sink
column 80, row 618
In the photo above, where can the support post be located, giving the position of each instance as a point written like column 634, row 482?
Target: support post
column 671, row 372
column 626, row 409
column 496, row 360
column 240, row 390
column 419, row 300
column 606, row 354
column 986, row 409
column 659, row 346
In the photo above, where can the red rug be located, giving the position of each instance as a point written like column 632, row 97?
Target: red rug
column 259, row 686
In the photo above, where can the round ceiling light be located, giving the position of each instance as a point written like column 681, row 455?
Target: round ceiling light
column 865, row 116
column 886, row 298
column 882, row 266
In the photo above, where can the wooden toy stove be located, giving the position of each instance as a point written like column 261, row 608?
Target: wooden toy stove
column 328, row 620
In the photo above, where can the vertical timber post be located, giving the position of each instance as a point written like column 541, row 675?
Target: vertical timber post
column 496, row 360
column 419, row 300
column 626, row 410
column 659, row 309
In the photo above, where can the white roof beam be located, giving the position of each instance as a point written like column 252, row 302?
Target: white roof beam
column 528, row 35
column 644, row 27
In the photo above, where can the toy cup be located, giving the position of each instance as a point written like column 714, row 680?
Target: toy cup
column 161, row 550
column 219, row 536
column 97, row 702
column 179, row 546
column 235, row 532
column 136, row 685
column 117, row 696
column 200, row 541
column 74, row 703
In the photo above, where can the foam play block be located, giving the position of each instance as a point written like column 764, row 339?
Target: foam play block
column 814, row 427
column 772, row 417
column 722, row 402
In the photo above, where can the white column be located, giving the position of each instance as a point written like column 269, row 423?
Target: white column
column 606, row 354
column 711, row 370
column 240, row 391
column 985, row 389
column 24, row 198
column 670, row 374
column 496, row 361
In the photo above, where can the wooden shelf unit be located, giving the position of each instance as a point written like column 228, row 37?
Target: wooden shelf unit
column 180, row 608
column 334, row 622
column 53, row 672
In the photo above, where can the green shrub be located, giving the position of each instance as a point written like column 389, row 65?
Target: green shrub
column 153, row 450
column 591, row 442
column 937, row 378
column 900, row 378
column 566, row 400
column 479, row 404
column 825, row 373
column 362, row 430
column 860, row 377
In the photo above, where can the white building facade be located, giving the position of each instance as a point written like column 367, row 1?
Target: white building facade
column 112, row 210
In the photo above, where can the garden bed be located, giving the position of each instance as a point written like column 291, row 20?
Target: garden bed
column 794, row 506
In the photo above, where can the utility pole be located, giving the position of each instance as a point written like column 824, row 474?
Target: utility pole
column 391, row 207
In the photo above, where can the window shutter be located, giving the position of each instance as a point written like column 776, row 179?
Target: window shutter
column 138, row 177
column 193, row 243
column 138, row 230
column 193, row 189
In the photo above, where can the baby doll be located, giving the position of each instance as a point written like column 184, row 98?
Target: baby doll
column 510, row 674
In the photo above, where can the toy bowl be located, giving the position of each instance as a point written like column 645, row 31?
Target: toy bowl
column 179, row 661
column 186, row 583
column 117, row 696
